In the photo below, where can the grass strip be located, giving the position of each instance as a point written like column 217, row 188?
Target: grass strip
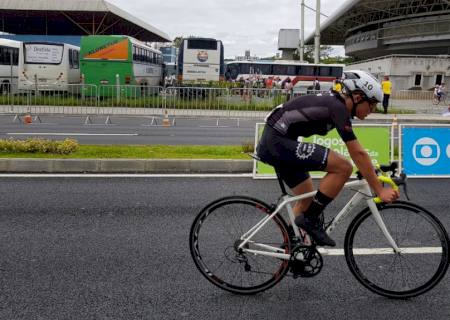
column 141, row 152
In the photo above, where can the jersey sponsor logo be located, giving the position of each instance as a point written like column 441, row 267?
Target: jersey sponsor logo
column 202, row 56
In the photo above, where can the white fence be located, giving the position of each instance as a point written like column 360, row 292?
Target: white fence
column 181, row 101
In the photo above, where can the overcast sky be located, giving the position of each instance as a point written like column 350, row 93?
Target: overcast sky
column 239, row 24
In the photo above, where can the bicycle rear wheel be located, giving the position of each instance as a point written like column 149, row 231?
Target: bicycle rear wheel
column 417, row 269
column 215, row 237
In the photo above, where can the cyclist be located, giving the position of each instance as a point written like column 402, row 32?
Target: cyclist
column 317, row 114
column 441, row 91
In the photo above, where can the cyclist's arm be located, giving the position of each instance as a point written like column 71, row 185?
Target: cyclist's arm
column 364, row 164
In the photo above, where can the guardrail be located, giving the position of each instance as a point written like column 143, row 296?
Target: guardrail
column 156, row 101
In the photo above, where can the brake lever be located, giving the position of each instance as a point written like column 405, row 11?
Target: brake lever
column 405, row 189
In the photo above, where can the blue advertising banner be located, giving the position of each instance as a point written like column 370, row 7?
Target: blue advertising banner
column 426, row 151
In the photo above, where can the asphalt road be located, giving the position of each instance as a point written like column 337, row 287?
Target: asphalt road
column 117, row 248
column 134, row 130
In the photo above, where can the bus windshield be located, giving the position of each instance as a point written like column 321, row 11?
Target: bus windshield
column 202, row 44
column 40, row 53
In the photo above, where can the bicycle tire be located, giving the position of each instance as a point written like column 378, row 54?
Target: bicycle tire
column 213, row 237
column 426, row 242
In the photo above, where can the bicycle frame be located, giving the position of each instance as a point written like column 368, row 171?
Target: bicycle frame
column 362, row 192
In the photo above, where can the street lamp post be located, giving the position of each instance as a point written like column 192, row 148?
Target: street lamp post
column 317, row 34
column 302, row 32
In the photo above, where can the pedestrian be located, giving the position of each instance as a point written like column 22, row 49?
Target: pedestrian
column 316, row 85
column 387, row 88
column 288, row 88
column 337, row 87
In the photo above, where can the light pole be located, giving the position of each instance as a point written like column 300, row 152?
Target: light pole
column 317, row 34
column 302, row 31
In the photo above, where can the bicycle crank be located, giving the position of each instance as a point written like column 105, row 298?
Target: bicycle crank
column 305, row 262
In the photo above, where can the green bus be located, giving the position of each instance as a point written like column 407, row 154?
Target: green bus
column 119, row 64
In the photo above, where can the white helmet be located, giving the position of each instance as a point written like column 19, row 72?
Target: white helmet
column 365, row 82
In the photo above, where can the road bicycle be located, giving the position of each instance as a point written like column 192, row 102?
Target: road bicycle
column 439, row 99
column 397, row 250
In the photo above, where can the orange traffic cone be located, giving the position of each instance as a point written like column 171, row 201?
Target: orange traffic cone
column 394, row 121
column 166, row 120
column 27, row 119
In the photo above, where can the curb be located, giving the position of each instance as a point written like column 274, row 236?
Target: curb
column 124, row 166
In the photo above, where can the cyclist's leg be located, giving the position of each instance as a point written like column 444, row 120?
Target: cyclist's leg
column 338, row 171
column 304, row 187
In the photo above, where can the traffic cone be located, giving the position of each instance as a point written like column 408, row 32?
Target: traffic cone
column 166, row 120
column 394, row 121
column 27, row 119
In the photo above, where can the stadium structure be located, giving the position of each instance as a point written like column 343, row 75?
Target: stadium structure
column 65, row 20
column 408, row 40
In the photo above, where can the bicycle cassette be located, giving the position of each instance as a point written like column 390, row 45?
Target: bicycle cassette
column 305, row 261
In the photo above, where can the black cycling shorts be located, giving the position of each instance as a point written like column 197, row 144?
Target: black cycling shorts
column 291, row 159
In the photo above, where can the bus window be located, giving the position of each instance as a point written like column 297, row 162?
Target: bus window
column 245, row 68
column 202, row 44
column 76, row 59
column 308, row 70
column 336, row 71
column 325, row 71
column 70, row 58
column 291, row 71
column 263, row 69
column 15, row 56
column 279, row 69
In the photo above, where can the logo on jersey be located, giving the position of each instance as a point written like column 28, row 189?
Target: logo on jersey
column 305, row 150
column 202, row 56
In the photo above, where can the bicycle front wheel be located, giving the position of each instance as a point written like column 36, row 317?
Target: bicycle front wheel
column 215, row 237
column 424, row 245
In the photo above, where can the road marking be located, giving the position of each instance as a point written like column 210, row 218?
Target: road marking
column 68, row 134
column 124, row 175
column 379, row 251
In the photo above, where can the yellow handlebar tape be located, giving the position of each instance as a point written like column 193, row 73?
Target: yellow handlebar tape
column 388, row 181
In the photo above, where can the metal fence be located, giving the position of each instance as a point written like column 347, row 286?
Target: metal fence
column 178, row 101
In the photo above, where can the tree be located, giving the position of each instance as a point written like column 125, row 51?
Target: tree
column 177, row 41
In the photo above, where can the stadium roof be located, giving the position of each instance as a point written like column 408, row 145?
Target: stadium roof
column 73, row 17
column 363, row 15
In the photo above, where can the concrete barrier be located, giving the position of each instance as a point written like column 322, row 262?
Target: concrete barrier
column 124, row 166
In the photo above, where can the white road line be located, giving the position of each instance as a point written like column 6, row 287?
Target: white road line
column 378, row 251
column 67, row 134
column 124, row 175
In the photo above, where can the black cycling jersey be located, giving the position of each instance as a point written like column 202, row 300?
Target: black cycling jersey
column 313, row 114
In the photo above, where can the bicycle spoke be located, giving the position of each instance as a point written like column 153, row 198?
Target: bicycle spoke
column 215, row 239
column 422, row 262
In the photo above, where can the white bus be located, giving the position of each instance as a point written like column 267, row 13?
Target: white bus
column 301, row 74
column 48, row 66
column 9, row 60
column 200, row 61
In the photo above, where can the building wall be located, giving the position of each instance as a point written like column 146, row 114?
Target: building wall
column 408, row 72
